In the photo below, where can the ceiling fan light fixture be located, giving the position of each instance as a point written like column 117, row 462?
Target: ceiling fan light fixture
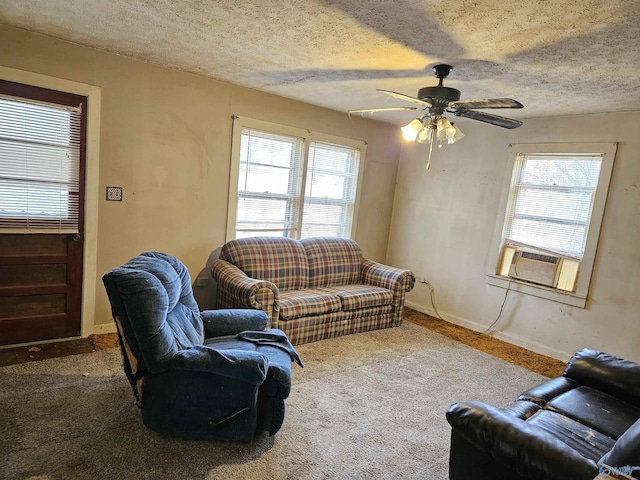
column 453, row 135
column 445, row 129
column 458, row 135
column 447, row 132
column 427, row 132
column 410, row 130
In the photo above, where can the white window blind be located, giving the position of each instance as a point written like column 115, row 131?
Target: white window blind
column 269, row 184
column 551, row 202
column 39, row 166
column 330, row 193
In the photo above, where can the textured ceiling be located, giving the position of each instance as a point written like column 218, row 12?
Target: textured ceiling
column 554, row 56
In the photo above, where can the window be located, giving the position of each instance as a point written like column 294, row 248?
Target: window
column 550, row 217
column 39, row 166
column 291, row 182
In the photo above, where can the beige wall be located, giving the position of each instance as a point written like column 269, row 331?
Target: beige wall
column 165, row 137
column 444, row 219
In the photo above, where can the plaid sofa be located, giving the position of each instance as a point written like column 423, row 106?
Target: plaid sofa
column 312, row 289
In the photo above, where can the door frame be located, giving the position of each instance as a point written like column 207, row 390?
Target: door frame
column 92, row 171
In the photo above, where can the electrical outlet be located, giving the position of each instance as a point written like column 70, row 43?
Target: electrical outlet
column 419, row 278
column 202, row 281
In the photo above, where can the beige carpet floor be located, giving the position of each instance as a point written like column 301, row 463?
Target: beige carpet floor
column 366, row 406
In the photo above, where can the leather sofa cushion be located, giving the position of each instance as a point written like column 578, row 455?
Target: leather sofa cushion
column 607, row 373
column 548, row 390
column 303, row 303
column 588, row 442
column 596, row 410
column 357, row 296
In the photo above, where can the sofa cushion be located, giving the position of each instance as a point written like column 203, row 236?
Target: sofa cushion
column 279, row 260
column 588, row 442
column 302, row 303
column 357, row 296
column 596, row 410
column 548, row 390
column 332, row 261
column 605, row 372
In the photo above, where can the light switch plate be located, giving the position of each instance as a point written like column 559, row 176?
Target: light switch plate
column 114, row 194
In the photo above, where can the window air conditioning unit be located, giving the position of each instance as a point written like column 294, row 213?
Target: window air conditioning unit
column 535, row 268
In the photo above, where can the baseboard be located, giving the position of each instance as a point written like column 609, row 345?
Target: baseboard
column 509, row 338
column 103, row 328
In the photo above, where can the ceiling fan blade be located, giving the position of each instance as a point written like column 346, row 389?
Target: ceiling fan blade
column 488, row 118
column 373, row 110
column 486, row 103
column 408, row 98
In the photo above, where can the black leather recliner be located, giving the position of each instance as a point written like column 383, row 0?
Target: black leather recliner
column 569, row 428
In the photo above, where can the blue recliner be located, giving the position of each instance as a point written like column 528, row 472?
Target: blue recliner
column 214, row 374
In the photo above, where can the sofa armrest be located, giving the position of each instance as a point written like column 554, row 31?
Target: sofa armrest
column 237, row 285
column 395, row 279
column 229, row 321
column 547, row 391
column 523, row 448
column 625, row 452
column 607, row 373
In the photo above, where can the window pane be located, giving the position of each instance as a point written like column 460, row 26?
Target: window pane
column 552, row 203
column 268, row 183
column 264, row 179
column 567, row 172
column 39, row 166
column 17, row 122
column 25, row 199
column 321, row 231
column 264, row 213
column 561, row 238
column 38, row 162
column 330, row 190
column 323, row 220
column 258, row 233
column 326, row 186
column 567, row 205
column 267, row 149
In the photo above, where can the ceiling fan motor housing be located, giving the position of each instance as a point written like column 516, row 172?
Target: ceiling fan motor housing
column 439, row 95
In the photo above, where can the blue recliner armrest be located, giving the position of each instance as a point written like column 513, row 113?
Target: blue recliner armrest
column 232, row 321
column 247, row 366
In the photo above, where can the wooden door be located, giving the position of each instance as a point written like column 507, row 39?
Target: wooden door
column 40, row 287
column 41, row 273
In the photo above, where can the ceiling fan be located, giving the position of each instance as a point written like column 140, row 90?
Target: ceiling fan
column 438, row 100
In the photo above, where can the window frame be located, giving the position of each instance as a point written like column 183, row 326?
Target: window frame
column 577, row 298
column 307, row 137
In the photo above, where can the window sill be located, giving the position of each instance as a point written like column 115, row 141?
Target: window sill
column 552, row 294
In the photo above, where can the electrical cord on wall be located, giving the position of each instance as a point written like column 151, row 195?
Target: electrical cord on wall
column 504, row 302
column 432, row 296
